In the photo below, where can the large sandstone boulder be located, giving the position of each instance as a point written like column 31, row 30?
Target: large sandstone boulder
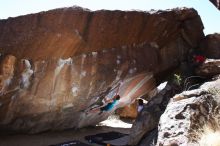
column 58, row 63
column 187, row 113
column 211, row 46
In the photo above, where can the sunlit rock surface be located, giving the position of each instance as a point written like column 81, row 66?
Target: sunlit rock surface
column 56, row 64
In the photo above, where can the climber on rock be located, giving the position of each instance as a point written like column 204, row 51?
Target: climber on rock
column 102, row 101
column 108, row 106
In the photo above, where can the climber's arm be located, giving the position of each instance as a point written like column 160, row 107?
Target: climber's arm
column 107, row 100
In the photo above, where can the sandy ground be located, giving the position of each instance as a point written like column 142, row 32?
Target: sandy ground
column 49, row 138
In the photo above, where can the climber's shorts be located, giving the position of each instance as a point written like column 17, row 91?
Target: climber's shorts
column 105, row 108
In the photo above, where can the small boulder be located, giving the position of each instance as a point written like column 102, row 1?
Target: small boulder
column 209, row 68
column 129, row 111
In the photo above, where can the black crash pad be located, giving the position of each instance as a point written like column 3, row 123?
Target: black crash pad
column 101, row 137
column 71, row 143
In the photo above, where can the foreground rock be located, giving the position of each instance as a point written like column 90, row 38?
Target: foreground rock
column 129, row 111
column 187, row 113
column 149, row 117
column 57, row 63
column 210, row 46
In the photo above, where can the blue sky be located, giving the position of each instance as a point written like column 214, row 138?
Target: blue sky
column 209, row 14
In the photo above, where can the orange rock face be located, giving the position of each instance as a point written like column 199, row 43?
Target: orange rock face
column 56, row 64
column 129, row 111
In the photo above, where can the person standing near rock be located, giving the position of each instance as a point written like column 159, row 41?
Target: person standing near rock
column 140, row 105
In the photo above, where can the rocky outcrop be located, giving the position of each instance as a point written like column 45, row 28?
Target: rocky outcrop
column 187, row 113
column 216, row 3
column 129, row 111
column 210, row 46
column 58, row 63
column 149, row 117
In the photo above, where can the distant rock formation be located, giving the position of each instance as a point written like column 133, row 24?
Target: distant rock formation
column 210, row 46
column 216, row 3
column 56, row 64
